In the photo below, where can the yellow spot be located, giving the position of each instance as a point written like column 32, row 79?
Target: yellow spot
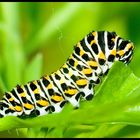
column 49, row 86
column 27, row 105
column 81, row 52
column 35, row 82
column 22, row 86
column 61, row 81
column 71, row 57
column 46, row 77
column 11, row 107
column 78, row 44
column 81, row 82
column 93, row 41
column 36, row 91
column 113, row 39
column 113, row 52
column 11, row 99
column 70, row 73
column 75, row 63
column 43, row 102
column 64, row 66
column 129, row 46
column 94, row 34
column 121, row 52
column 23, row 94
column 87, row 71
column 57, row 98
column 18, row 108
column 101, row 55
column 93, row 63
column 71, row 91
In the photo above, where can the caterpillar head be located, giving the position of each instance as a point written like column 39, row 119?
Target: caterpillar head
column 124, row 50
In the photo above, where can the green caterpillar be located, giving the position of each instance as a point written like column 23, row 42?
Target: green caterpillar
column 91, row 58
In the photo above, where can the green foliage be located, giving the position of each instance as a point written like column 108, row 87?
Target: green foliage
column 33, row 37
column 111, row 110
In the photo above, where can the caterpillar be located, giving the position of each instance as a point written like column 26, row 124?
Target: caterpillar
column 91, row 58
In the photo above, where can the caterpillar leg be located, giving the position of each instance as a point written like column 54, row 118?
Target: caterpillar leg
column 74, row 100
column 58, row 107
column 86, row 95
column 88, row 92
column 6, row 109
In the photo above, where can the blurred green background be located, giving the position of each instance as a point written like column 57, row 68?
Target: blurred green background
column 37, row 37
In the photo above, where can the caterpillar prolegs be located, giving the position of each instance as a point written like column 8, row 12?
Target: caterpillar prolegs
column 91, row 58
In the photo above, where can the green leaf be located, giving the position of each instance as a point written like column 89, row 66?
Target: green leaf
column 117, row 85
column 100, row 131
column 37, row 132
column 129, row 131
column 135, row 61
column 116, row 105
